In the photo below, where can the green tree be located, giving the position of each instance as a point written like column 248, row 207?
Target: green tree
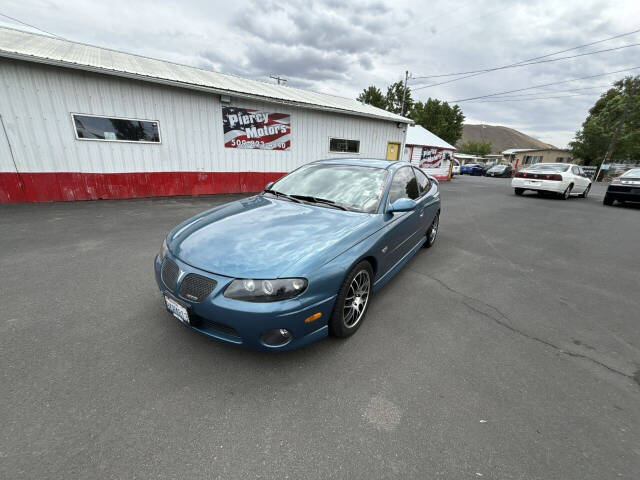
column 592, row 140
column 394, row 98
column 372, row 95
column 475, row 148
column 439, row 118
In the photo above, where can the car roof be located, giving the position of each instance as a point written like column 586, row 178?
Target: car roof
column 365, row 162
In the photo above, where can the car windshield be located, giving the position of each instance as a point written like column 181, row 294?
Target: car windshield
column 355, row 187
column 558, row 167
column 498, row 168
column 634, row 172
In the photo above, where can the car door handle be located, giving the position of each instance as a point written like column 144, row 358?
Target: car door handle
column 422, row 213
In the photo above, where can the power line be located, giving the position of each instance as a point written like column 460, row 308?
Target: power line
column 504, row 67
column 551, row 92
column 529, row 99
column 29, row 25
column 542, row 85
column 530, row 59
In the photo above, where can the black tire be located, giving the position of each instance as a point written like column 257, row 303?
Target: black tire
column 431, row 234
column 519, row 191
column 607, row 200
column 567, row 193
column 586, row 192
column 338, row 326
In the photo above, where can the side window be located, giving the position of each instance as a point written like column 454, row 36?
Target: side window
column 423, row 181
column 575, row 170
column 403, row 185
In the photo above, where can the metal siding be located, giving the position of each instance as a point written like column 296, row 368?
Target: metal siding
column 39, row 100
column 56, row 51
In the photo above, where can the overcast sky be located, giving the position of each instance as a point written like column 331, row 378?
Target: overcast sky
column 340, row 47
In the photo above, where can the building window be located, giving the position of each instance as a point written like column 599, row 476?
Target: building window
column 562, row 159
column 531, row 159
column 92, row 127
column 340, row 145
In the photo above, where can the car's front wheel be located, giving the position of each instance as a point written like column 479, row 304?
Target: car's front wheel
column 432, row 233
column 607, row 200
column 352, row 301
column 519, row 191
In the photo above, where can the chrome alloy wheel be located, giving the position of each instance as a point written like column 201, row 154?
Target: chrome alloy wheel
column 356, row 300
column 434, row 229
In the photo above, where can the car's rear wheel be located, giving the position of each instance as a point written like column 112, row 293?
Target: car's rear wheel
column 586, row 192
column 352, row 301
column 519, row 191
column 567, row 193
column 432, row 233
column 607, row 200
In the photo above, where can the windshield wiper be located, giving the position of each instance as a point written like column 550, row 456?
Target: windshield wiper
column 324, row 201
column 280, row 194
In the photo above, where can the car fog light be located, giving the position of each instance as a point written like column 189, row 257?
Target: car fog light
column 276, row 337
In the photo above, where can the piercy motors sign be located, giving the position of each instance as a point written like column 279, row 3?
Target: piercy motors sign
column 256, row 129
column 433, row 157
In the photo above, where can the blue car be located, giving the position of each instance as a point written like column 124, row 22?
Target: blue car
column 472, row 169
column 300, row 260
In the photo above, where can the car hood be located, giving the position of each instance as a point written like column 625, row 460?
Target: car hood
column 262, row 237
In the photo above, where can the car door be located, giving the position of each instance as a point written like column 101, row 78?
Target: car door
column 402, row 227
column 579, row 181
column 427, row 201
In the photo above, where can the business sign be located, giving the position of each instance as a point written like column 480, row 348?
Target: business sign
column 256, row 129
column 433, row 157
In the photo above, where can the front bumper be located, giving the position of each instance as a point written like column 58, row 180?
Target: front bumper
column 243, row 323
column 555, row 186
column 624, row 193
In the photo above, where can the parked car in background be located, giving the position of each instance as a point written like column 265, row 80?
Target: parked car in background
column 456, row 168
column 500, row 171
column 302, row 259
column 472, row 169
column 625, row 188
column 559, row 178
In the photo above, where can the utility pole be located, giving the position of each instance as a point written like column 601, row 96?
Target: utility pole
column 614, row 139
column 404, row 91
column 278, row 78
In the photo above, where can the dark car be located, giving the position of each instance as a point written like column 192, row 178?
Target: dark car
column 625, row 188
column 500, row 171
column 472, row 169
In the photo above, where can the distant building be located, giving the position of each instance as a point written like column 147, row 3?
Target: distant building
column 428, row 151
column 523, row 157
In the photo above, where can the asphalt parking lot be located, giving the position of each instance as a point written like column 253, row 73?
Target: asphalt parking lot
column 510, row 350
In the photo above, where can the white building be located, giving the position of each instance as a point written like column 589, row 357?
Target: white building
column 81, row 122
column 428, row 151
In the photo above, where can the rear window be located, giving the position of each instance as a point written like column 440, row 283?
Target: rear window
column 549, row 166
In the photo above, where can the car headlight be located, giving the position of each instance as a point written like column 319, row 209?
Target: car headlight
column 164, row 249
column 252, row 290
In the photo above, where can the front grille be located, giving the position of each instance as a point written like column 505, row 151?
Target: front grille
column 619, row 188
column 196, row 287
column 169, row 273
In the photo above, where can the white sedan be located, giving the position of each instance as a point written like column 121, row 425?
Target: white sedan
column 561, row 178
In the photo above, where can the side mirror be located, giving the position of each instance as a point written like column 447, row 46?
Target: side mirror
column 269, row 185
column 402, row 205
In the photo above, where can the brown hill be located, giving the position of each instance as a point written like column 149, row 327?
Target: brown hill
column 501, row 138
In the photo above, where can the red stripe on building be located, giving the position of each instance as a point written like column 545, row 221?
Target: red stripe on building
column 68, row 186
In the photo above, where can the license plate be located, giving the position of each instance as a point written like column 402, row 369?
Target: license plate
column 177, row 310
column 533, row 183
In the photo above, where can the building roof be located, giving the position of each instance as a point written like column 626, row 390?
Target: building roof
column 38, row 48
column 418, row 135
column 466, row 156
column 513, row 151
